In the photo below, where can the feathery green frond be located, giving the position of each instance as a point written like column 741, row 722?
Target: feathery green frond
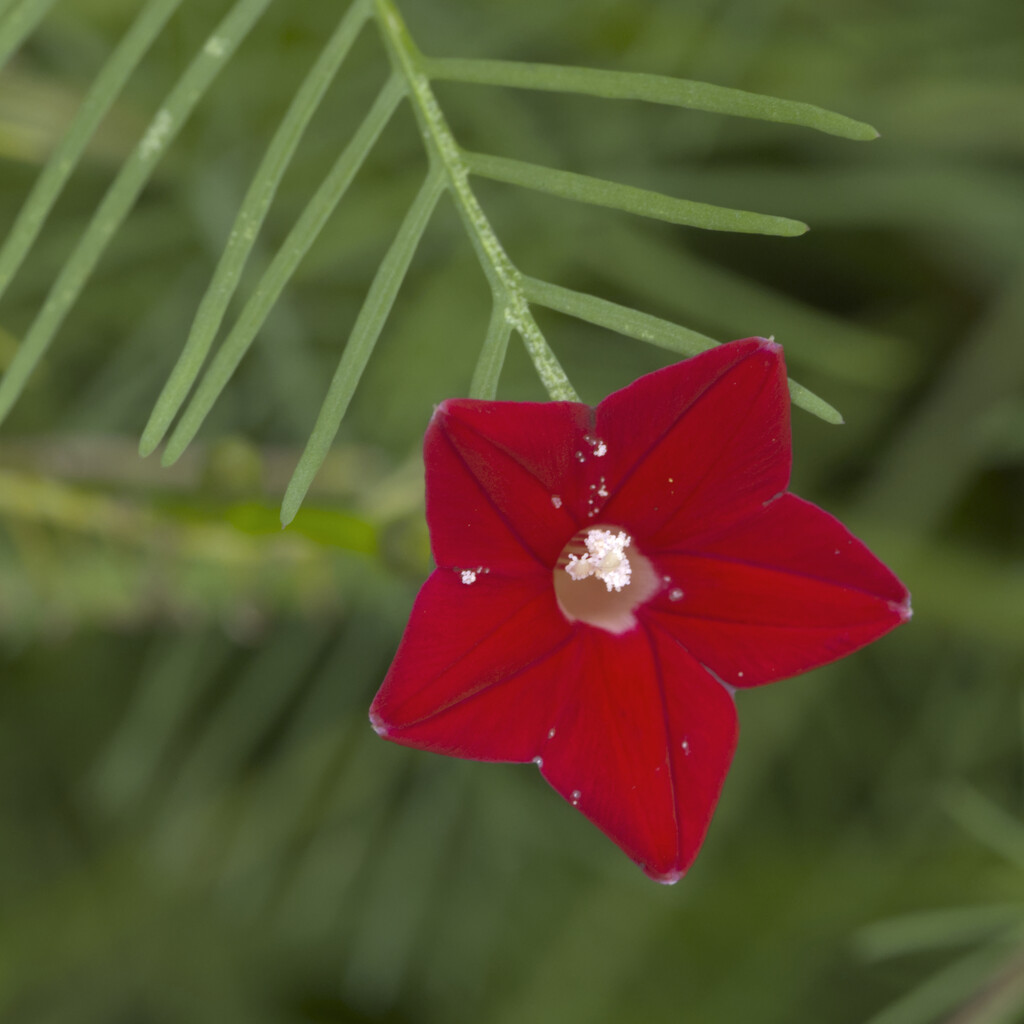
column 196, row 822
column 62, row 162
column 120, row 197
column 442, row 148
column 451, row 170
column 248, row 223
column 277, row 275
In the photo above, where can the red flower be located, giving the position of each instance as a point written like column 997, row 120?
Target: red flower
column 606, row 577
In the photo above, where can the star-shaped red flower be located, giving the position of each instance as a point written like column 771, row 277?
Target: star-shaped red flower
column 606, row 577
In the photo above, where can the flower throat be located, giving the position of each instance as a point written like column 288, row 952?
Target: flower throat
column 596, row 582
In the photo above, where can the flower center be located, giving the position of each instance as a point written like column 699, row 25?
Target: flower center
column 596, row 582
column 605, row 558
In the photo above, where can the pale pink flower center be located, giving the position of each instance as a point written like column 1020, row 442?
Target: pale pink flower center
column 601, row 579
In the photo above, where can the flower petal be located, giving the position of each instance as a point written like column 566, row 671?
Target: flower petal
column 644, row 747
column 476, row 674
column 697, row 444
column 780, row 593
column 503, row 484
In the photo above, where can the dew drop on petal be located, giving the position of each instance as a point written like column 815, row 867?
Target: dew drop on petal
column 580, row 457
column 556, row 501
column 601, row 449
column 551, row 734
column 576, row 794
column 686, row 746
column 675, row 594
column 539, row 762
column 468, row 576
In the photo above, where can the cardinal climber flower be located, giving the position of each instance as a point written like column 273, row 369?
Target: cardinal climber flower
column 607, row 578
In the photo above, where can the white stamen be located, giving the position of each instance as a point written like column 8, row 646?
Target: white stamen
column 605, row 558
column 468, row 576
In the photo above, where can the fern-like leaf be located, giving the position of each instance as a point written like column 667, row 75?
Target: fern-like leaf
column 248, row 223
column 281, row 269
column 123, row 192
column 450, row 170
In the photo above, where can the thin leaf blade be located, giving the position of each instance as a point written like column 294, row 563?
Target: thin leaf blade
column 65, row 157
column 19, row 23
column 492, row 355
column 640, row 201
column 632, row 323
column 663, row 89
column 248, row 222
column 123, row 192
column 282, row 267
column 379, row 300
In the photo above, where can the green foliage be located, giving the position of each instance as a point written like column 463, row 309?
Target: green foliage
column 449, row 168
column 196, row 821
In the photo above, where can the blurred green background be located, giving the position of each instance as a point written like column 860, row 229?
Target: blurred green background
column 196, row 821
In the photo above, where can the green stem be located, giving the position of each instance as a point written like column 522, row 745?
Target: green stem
column 505, row 279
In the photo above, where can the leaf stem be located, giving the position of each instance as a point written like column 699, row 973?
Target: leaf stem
column 504, row 278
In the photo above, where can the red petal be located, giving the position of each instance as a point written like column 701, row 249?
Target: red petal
column 783, row 592
column 503, row 483
column 698, row 444
column 476, row 674
column 644, row 747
